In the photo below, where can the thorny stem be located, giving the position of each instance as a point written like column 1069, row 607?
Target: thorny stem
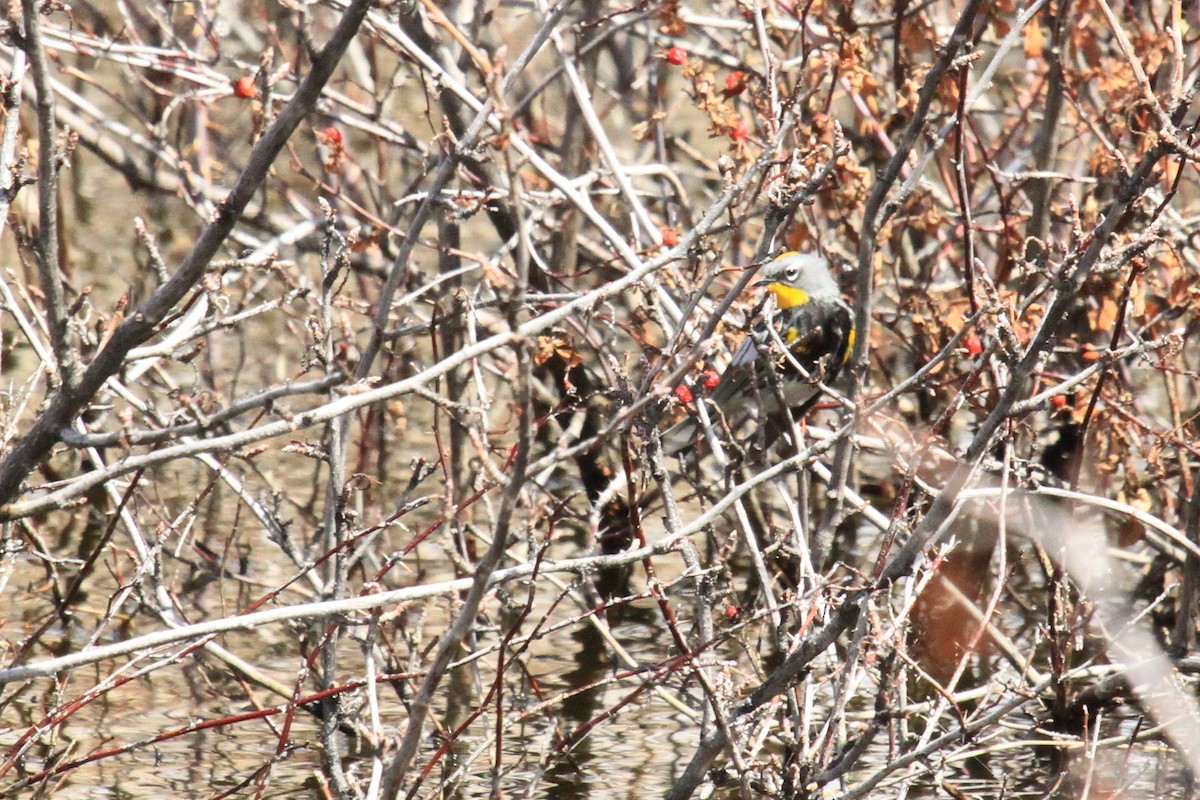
column 334, row 519
column 51, row 277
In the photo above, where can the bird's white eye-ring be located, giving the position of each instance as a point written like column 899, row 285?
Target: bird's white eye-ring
column 792, row 273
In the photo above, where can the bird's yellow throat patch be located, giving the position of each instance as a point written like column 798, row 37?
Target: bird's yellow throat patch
column 788, row 296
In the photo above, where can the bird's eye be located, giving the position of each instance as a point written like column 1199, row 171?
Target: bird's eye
column 792, row 274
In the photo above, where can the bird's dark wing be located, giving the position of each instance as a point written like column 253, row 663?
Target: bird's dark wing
column 818, row 337
column 821, row 337
column 743, row 368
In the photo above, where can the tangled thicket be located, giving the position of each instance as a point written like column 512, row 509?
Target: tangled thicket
column 337, row 336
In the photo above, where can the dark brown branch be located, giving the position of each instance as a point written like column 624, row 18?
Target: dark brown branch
column 49, row 274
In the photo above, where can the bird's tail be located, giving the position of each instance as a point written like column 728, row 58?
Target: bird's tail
column 680, row 437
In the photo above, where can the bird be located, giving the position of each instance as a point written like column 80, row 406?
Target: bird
column 807, row 315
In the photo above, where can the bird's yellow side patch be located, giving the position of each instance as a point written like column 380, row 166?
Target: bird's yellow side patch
column 788, row 296
column 849, row 345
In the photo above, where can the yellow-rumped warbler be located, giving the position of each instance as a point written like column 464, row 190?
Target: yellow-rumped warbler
column 812, row 322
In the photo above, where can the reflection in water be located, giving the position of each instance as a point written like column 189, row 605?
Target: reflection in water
column 566, row 748
column 634, row 753
column 566, row 779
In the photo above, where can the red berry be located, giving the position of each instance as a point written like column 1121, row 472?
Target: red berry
column 333, row 134
column 973, row 344
column 1059, row 401
column 676, row 55
column 683, row 394
column 670, row 237
column 244, row 88
column 731, row 612
column 735, row 83
column 739, row 132
column 711, row 379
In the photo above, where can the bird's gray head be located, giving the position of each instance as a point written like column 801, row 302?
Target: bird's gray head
column 795, row 277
